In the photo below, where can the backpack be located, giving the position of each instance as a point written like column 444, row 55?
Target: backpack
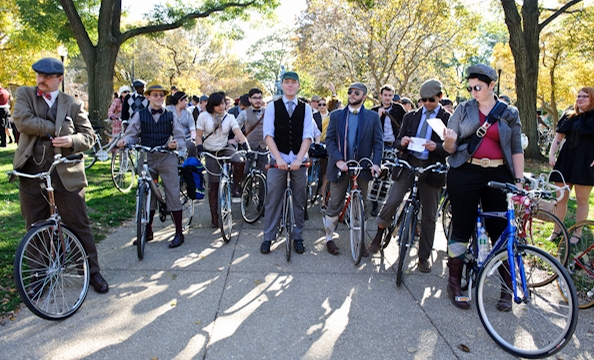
column 192, row 171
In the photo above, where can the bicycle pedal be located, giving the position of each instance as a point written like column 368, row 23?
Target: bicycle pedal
column 462, row 298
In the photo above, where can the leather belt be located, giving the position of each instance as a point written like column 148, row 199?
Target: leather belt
column 485, row 162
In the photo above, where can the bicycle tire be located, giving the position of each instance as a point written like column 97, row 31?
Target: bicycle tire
column 90, row 157
column 225, row 219
column 123, row 173
column 581, row 263
column 406, row 238
column 540, row 226
column 288, row 222
column 544, row 312
column 253, row 194
column 52, row 280
column 446, row 217
column 356, row 227
column 313, row 183
column 187, row 204
column 142, row 206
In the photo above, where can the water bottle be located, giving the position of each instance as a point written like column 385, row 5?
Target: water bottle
column 484, row 247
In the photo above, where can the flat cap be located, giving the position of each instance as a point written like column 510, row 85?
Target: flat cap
column 430, row 88
column 359, row 86
column 155, row 87
column 406, row 100
column 137, row 83
column 316, row 98
column 396, row 97
column 290, row 75
column 48, row 66
column 481, row 69
column 203, row 98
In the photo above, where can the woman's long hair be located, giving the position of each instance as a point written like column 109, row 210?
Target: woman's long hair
column 590, row 91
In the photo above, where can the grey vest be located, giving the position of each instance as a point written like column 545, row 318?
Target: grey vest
column 256, row 135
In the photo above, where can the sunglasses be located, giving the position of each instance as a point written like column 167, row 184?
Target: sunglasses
column 158, row 95
column 357, row 92
column 322, row 104
column 428, row 99
column 475, row 88
column 583, row 97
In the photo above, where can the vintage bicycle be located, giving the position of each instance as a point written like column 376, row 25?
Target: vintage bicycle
column 580, row 264
column 254, row 189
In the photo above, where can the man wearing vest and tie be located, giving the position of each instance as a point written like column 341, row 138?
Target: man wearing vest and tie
column 288, row 131
column 414, row 124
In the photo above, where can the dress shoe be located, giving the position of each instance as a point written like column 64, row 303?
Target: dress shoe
column 377, row 240
column 332, row 248
column 149, row 236
column 178, row 239
column 265, row 247
column 98, row 283
column 298, row 246
column 365, row 252
column 424, row 266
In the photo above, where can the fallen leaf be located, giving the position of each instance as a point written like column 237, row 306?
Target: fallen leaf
column 463, row 348
column 173, row 303
column 173, row 276
column 411, row 350
column 198, row 322
column 258, row 282
column 469, row 335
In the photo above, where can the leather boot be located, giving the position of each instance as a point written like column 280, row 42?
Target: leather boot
column 377, row 240
column 213, row 201
column 505, row 299
column 238, row 168
column 457, row 298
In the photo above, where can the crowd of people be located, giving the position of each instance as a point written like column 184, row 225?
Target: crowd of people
column 481, row 142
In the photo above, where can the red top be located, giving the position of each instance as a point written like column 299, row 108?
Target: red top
column 490, row 147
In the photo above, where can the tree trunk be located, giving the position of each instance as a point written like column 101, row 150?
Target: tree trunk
column 101, row 70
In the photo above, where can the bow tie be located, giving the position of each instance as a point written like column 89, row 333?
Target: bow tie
column 355, row 112
column 45, row 95
column 156, row 111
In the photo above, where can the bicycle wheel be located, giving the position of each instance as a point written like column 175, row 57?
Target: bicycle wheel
column 446, row 217
column 51, row 275
column 253, row 195
column 356, row 227
column 581, row 262
column 542, row 322
column 142, row 208
column 90, row 157
column 288, row 222
column 313, row 182
column 187, row 204
column 406, row 237
column 225, row 220
column 122, row 170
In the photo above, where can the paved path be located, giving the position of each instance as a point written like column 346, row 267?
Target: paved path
column 211, row 300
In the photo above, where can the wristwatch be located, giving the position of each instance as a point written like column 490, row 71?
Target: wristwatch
column 519, row 181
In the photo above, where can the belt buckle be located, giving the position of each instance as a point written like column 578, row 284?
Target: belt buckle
column 482, row 131
column 485, row 162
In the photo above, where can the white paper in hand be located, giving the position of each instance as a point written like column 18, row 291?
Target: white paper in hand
column 416, row 144
column 438, row 126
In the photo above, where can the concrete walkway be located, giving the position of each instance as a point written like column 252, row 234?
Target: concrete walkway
column 211, row 300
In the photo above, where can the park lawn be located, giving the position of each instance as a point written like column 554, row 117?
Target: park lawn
column 107, row 209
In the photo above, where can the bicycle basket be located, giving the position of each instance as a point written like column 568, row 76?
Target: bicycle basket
column 379, row 190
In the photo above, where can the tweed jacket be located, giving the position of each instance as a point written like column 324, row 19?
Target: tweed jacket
column 465, row 121
column 370, row 143
column 29, row 108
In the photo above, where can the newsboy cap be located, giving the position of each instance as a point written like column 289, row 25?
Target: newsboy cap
column 290, row 75
column 203, row 98
column 359, row 86
column 49, row 66
column 481, row 69
column 396, row 97
column 155, row 87
column 316, row 98
column 430, row 88
column 136, row 83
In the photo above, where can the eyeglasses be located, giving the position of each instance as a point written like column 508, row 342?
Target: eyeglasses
column 583, row 97
column 428, row 99
column 475, row 88
column 357, row 92
column 158, row 95
column 322, row 104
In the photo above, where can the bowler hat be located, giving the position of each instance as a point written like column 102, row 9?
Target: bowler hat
column 359, row 86
column 430, row 88
column 49, row 66
column 155, row 87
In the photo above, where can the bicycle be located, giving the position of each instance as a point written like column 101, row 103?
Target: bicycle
column 51, row 268
column 148, row 187
column 285, row 228
column 254, row 190
column 98, row 151
column 123, row 168
column 225, row 202
column 581, row 262
column 353, row 211
column 409, row 216
column 539, row 322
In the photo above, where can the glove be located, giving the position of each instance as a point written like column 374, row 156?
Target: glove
column 245, row 146
column 199, row 149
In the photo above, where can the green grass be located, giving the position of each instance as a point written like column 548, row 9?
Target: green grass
column 107, row 209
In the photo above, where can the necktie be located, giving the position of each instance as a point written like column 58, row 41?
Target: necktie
column 156, row 111
column 291, row 108
column 45, row 95
column 428, row 115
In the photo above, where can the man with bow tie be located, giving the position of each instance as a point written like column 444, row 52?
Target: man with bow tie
column 51, row 122
column 251, row 119
column 153, row 126
column 353, row 133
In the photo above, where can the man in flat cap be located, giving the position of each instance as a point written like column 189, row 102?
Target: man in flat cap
column 414, row 125
column 353, row 133
column 134, row 102
column 288, row 132
column 51, row 122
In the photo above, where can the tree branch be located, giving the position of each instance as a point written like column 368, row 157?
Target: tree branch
column 82, row 37
column 557, row 13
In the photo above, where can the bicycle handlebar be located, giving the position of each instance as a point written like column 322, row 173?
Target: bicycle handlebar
column 225, row 158
column 58, row 159
column 532, row 194
column 437, row 167
column 305, row 164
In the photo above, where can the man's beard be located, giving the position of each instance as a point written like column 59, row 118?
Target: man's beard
column 357, row 102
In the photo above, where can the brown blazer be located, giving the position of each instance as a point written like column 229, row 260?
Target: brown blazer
column 26, row 116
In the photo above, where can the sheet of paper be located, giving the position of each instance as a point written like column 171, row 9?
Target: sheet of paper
column 416, row 144
column 438, row 126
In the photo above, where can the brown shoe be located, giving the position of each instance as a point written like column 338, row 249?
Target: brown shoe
column 98, row 283
column 365, row 252
column 149, row 235
column 424, row 266
column 377, row 240
column 455, row 294
column 332, row 248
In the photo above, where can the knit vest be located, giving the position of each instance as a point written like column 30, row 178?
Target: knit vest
column 256, row 135
column 136, row 102
column 288, row 131
column 155, row 133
